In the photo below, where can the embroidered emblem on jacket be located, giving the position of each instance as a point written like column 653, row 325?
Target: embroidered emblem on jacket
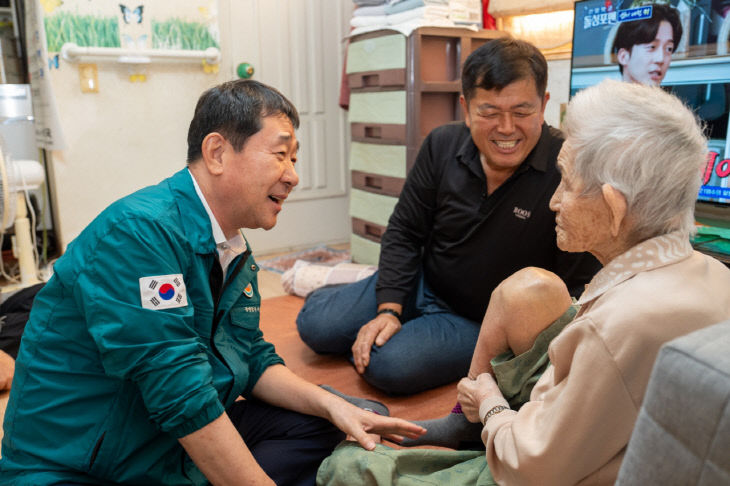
column 248, row 291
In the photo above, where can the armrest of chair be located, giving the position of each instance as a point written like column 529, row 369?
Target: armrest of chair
column 682, row 434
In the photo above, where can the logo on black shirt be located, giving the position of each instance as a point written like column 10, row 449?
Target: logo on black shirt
column 522, row 213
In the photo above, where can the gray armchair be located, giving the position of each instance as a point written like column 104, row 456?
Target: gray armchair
column 682, row 435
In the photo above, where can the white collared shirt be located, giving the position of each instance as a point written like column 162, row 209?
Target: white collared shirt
column 227, row 249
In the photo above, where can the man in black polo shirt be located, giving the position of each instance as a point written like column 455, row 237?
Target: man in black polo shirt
column 474, row 210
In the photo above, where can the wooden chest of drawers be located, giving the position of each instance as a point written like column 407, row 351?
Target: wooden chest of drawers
column 401, row 89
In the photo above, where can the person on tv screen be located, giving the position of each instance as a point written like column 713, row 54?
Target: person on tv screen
column 644, row 47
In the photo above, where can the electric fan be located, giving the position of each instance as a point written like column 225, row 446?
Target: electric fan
column 17, row 177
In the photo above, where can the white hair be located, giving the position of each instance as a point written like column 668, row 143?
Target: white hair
column 644, row 142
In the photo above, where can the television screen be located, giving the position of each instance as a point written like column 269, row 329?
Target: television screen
column 637, row 41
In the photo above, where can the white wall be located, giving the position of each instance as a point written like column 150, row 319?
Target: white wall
column 559, row 89
column 130, row 135
column 127, row 136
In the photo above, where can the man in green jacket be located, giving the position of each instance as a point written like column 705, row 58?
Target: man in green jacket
column 139, row 347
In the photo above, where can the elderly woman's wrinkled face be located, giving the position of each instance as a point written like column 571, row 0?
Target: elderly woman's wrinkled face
column 582, row 220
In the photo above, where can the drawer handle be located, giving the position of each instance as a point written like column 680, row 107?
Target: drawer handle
column 373, row 182
column 373, row 132
column 370, row 80
column 371, row 230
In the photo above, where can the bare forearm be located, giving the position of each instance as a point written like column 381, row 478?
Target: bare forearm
column 280, row 387
column 220, row 453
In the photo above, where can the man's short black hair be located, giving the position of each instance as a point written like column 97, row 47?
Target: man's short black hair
column 644, row 31
column 503, row 61
column 235, row 110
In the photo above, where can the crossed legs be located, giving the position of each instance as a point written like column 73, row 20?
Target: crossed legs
column 434, row 346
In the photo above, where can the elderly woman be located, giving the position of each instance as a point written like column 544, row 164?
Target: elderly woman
column 630, row 174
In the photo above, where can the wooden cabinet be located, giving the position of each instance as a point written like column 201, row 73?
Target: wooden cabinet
column 401, row 89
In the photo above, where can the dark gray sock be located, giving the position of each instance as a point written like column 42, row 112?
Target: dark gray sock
column 364, row 403
column 453, row 431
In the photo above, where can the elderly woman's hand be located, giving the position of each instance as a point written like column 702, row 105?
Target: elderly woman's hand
column 471, row 394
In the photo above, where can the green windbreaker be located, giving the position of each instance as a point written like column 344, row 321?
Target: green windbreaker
column 122, row 354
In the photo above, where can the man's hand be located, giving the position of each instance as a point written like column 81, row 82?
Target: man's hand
column 280, row 387
column 7, row 370
column 378, row 332
column 358, row 424
column 471, row 394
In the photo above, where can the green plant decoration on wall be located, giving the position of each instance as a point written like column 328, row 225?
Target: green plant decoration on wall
column 82, row 30
column 180, row 34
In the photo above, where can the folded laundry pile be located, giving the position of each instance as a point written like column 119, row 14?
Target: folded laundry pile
column 407, row 15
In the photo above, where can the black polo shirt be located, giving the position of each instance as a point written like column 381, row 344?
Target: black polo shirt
column 466, row 242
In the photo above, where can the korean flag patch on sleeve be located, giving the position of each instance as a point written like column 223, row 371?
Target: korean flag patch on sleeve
column 163, row 292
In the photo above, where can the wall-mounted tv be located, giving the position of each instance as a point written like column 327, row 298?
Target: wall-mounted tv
column 636, row 41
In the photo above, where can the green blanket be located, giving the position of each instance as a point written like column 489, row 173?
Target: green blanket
column 351, row 465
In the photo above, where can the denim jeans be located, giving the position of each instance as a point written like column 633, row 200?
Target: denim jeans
column 434, row 346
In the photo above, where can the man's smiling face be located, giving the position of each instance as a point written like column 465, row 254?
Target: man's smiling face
column 257, row 179
column 506, row 124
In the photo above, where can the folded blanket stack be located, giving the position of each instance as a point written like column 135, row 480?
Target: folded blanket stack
column 466, row 12
column 402, row 15
column 403, row 5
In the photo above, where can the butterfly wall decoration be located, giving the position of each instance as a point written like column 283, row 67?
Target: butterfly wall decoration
column 132, row 16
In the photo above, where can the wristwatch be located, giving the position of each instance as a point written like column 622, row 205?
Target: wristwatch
column 392, row 312
column 494, row 411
